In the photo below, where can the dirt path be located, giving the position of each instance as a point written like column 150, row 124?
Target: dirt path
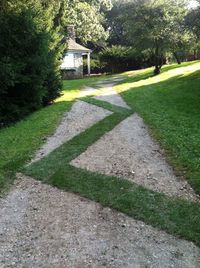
column 110, row 95
column 41, row 226
column 81, row 116
column 131, row 153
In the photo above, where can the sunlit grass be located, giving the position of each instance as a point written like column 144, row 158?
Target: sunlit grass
column 170, row 105
column 187, row 69
column 176, row 216
column 19, row 142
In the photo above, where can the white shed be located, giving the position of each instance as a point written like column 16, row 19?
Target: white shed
column 72, row 65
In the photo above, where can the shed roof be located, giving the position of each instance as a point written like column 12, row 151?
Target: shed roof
column 75, row 47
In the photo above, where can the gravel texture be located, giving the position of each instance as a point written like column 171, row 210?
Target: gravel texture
column 87, row 91
column 110, row 80
column 41, row 226
column 129, row 151
column 110, row 95
column 81, row 116
column 105, row 92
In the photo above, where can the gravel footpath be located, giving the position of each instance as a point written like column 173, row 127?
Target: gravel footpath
column 87, row 91
column 129, row 151
column 105, row 92
column 81, row 116
column 110, row 95
column 41, row 226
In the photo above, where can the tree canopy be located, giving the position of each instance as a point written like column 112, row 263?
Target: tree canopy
column 33, row 38
column 127, row 33
column 156, row 26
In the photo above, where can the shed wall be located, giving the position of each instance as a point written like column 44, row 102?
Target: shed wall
column 69, row 72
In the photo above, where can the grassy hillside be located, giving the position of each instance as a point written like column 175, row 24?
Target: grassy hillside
column 170, row 105
column 166, row 102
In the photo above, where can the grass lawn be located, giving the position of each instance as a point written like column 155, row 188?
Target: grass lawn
column 178, row 217
column 19, row 142
column 170, row 105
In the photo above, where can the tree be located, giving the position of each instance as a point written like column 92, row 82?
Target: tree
column 30, row 52
column 88, row 18
column 120, row 58
column 33, row 38
column 157, row 27
column 193, row 20
column 153, row 27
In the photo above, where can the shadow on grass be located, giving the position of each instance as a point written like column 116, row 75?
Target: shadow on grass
column 19, row 141
column 143, row 75
column 176, row 216
column 158, row 105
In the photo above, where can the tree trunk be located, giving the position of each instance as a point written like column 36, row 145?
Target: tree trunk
column 158, row 61
column 177, row 58
column 195, row 54
column 159, row 64
column 156, row 70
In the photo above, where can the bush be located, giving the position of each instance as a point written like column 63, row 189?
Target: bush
column 96, row 66
column 120, row 58
column 29, row 70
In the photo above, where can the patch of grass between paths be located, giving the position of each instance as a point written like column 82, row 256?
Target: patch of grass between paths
column 19, row 141
column 176, row 216
column 106, row 105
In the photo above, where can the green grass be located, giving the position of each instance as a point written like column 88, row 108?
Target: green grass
column 113, row 108
column 70, row 150
column 170, row 105
column 175, row 216
column 19, row 142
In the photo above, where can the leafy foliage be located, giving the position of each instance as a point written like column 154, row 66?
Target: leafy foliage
column 32, row 46
column 119, row 58
column 158, row 27
column 193, row 21
column 155, row 28
column 96, row 66
column 88, row 18
column 30, row 53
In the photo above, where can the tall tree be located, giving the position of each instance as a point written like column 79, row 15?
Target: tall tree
column 30, row 52
column 88, row 18
column 158, row 27
column 193, row 20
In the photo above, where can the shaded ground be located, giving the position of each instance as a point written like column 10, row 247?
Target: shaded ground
column 41, row 226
